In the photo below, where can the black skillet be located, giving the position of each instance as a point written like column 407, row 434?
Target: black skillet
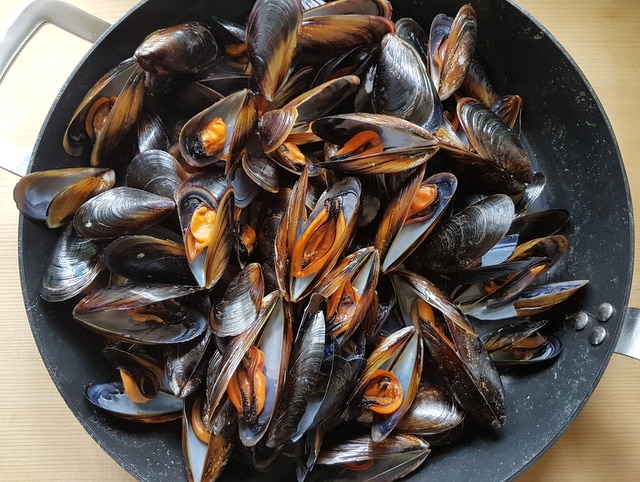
column 570, row 140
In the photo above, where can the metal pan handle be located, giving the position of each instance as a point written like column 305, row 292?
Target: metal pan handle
column 38, row 13
column 629, row 340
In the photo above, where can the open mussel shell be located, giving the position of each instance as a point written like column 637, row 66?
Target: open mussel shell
column 143, row 313
column 299, row 264
column 463, row 239
column 146, row 258
column 274, row 341
column 141, row 373
column 291, row 122
column 358, row 458
column 55, row 195
column 206, row 459
column 74, row 265
column 92, row 110
column 186, row 48
column 454, row 348
column 350, row 288
column 403, row 227
column 271, row 333
column 111, row 398
column 120, row 210
column 110, row 148
column 271, row 48
column 398, row 356
column 219, row 132
column 207, row 230
column 398, row 145
column 521, row 343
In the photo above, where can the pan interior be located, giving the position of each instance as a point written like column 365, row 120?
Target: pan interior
column 570, row 140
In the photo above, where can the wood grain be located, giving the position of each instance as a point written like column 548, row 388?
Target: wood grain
column 39, row 437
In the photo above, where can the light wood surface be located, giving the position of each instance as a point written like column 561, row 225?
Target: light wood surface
column 39, row 437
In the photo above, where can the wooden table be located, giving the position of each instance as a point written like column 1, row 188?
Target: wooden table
column 39, row 437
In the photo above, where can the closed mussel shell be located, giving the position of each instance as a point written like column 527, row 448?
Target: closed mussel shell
column 463, row 239
column 145, row 258
column 238, row 308
column 186, row 48
column 402, row 87
column 155, row 171
column 74, row 265
column 433, row 412
column 121, row 210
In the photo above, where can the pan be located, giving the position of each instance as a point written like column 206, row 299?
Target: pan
column 572, row 143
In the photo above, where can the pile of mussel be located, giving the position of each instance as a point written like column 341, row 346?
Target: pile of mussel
column 293, row 232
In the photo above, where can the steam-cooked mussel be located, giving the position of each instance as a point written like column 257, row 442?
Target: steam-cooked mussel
column 146, row 258
column 207, row 230
column 309, row 247
column 252, row 369
column 219, row 132
column 359, row 458
column 156, row 171
column 492, row 139
column 454, row 348
column 350, row 7
column 325, row 36
column 207, row 447
column 74, row 265
column 121, row 210
column 307, row 354
column 412, row 214
column 113, row 145
column 374, row 143
column 452, row 43
column 521, row 343
column 272, row 37
column 54, row 195
column 143, row 313
column 112, row 398
column 291, row 122
column 462, row 240
column 402, row 86
column 238, row 308
column 350, row 289
column 141, row 374
column 88, row 119
column 434, row 415
column 390, row 380
column 186, row 48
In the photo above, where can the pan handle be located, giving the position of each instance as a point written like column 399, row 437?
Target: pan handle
column 629, row 340
column 35, row 15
